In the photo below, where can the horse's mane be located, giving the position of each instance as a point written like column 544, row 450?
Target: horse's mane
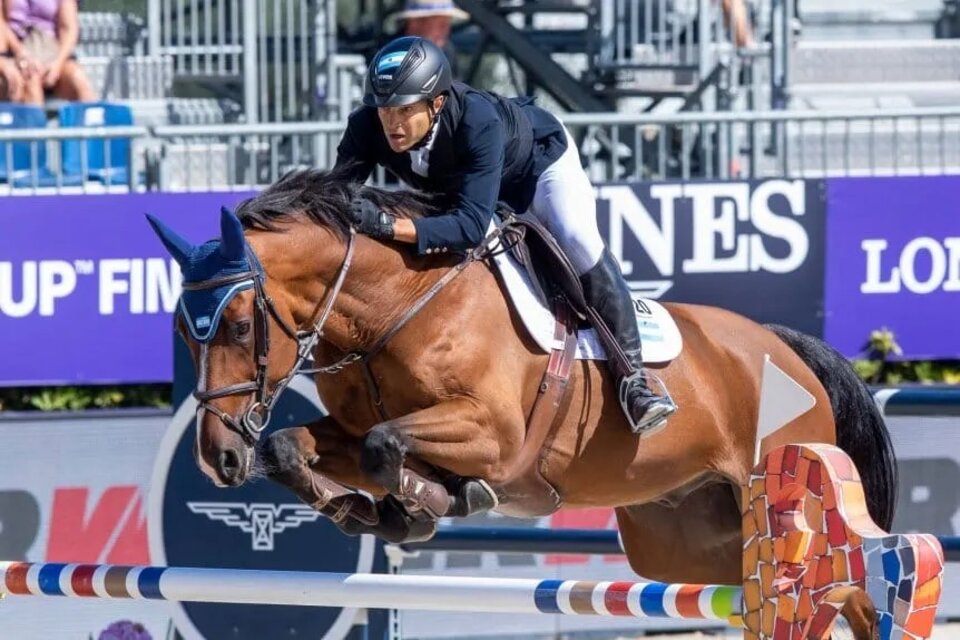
column 325, row 198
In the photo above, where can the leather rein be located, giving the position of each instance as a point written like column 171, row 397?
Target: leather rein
column 256, row 416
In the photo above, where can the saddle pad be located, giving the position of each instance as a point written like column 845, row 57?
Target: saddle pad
column 659, row 333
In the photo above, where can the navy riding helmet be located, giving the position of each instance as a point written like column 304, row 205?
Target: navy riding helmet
column 406, row 71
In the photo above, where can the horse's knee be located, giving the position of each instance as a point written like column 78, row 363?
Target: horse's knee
column 382, row 455
column 281, row 454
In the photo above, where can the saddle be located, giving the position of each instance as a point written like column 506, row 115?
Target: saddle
column 554, row 278
column 538, row 252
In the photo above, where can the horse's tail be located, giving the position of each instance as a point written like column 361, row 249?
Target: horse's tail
column 861, row 431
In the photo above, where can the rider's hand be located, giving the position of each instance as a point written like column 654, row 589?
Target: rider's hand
column 370, row 220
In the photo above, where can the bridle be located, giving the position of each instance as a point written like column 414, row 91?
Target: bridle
column 257, row 415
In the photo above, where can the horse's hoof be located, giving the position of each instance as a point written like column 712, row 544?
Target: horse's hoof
column 471, row 496
column 421, row 530
column 352, row 527
column 398, row 526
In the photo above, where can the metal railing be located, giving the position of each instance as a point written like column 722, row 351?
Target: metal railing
column 613, row 146
column 769, row 143
column 33, row 160
column 284, row 52
column 273, row 46
column 695, row 45
column 241, row 156
column 657, row 33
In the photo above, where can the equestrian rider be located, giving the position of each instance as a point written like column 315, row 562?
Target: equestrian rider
column 477, row 147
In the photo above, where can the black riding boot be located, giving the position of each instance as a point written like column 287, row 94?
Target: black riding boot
column 608, row 294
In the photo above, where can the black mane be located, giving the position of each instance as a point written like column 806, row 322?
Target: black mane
column 325, row 197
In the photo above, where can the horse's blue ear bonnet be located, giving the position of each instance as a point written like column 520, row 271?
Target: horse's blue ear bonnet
column 222, row 258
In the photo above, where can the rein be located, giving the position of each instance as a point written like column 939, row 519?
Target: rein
column 364, row 357
column 256, row 416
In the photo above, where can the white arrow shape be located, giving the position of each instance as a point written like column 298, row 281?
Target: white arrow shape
column 782, row 400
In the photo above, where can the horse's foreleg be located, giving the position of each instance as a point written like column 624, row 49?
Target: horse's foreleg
column 319, row 462
column 315, row 462
column 446, row 436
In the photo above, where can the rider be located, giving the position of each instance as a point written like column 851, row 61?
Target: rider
column 478, row 148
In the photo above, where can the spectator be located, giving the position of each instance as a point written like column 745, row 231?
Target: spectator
column 11, row 81
column 736, row 18
column 738, row 21
column 45, row 34
column 432, row 19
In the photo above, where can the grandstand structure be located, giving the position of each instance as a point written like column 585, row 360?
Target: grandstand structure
column 223, row 94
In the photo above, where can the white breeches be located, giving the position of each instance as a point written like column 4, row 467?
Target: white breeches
column 565, row 203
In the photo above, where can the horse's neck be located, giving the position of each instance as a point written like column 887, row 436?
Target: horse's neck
column 384, row 283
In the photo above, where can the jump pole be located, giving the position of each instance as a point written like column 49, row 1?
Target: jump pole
column 375, row 591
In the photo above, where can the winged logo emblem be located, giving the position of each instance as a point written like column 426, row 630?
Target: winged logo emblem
column 263, row 521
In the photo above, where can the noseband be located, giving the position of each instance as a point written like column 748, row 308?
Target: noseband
column 256, row 417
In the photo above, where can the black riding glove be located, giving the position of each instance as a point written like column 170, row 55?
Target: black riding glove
column 371, row 221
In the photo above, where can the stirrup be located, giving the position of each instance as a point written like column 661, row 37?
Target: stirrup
column 653, row 420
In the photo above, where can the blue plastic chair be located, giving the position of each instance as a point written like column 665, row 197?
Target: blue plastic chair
column 96, row 114
column 16, row 158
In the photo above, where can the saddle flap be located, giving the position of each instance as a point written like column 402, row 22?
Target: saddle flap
column 547, row 264
column 659, row 333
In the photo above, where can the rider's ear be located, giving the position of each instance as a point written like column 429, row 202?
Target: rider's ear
column 438, row 102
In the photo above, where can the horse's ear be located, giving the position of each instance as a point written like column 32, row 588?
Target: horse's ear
column 179, row 248
column 233, row 245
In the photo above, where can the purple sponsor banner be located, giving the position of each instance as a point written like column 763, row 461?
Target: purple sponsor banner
column 893, row 260
column 86, row 289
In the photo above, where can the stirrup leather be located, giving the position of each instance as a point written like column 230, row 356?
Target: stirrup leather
column 652, row 421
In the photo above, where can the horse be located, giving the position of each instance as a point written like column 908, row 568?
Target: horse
column 429, row 380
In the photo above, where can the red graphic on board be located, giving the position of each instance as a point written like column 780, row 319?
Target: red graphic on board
column 112, row 530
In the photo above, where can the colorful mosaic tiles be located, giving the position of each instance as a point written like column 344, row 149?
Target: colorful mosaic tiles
column 810, row 548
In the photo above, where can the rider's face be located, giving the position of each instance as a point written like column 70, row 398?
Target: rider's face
column 406, row 126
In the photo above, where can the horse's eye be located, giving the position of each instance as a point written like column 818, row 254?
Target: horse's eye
column 242, row 329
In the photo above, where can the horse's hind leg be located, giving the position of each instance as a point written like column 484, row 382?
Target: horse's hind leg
column 861, row 616
column 696, row 540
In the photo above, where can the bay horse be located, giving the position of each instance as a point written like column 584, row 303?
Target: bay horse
column 437, row 402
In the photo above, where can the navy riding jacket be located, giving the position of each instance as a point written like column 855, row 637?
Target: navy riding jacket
column 486, row 148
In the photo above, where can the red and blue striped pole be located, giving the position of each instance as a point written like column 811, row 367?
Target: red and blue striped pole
column 432, row 593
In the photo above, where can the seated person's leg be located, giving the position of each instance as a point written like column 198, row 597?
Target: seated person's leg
column 74, row 84
column 32, row 92
column 11, row 81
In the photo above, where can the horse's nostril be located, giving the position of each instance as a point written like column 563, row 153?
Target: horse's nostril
column 229, row 463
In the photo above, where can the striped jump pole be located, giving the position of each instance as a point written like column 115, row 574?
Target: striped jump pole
column 376, row 591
